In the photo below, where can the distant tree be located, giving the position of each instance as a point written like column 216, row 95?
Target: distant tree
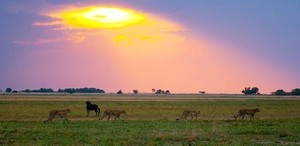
column 295, row 91
column 81, row 90
column 26, row 91
column 280, row 92
column 14, row 91
column 120, row 92
column 43, row 90
column 250, row 91
column 153, row 90
column 167, row 92
column 255, row 90
column 202, row 92
column 135, row 91
column 8, row 90
column 159, row 91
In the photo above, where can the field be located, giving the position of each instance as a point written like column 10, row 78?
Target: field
column 150, row 120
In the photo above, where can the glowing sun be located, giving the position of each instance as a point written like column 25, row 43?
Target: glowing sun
column 99, row 17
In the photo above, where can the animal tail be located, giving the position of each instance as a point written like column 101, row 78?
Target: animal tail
column 102, row 116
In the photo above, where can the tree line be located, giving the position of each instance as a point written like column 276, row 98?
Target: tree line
column 255, row 91
column 67, row 90
column 246, row 91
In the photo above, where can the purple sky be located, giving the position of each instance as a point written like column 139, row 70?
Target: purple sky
column 251, row 32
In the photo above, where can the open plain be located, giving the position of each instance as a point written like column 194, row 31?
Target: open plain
column 150, row 120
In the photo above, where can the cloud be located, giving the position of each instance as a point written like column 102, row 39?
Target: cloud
column 37, row 42
column 54, row 23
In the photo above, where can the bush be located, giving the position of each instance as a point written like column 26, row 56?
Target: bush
column 8, row 90
column 280, row 92
column 120, row 92
column 295, row 91
column 249, row 91
column 135, row 91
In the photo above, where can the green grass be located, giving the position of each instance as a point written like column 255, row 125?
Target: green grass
column 157, row 132
column 151, row 123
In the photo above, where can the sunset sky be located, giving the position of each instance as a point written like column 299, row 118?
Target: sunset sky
column 183, row 46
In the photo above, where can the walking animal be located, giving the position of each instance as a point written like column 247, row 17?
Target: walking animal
column 92, row 107
column 243, row 112
column 61, row 113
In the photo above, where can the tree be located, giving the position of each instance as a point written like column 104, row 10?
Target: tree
column 280, row 92
column 159, row 91
column 167, row 92
column 202, row 92
column 135, row 91
column 250, row 91
column 26, row 90
column 255, row 90
column 153, row 90
column 8, row 90
column 120, row 92
column 295, row 91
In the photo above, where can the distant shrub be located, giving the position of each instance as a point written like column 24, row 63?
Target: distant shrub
column 135, row 91
column 120, row 92
column 250, row 91
column 295, row 91
column 280, row 92
column 8, row 90
column 81, row 90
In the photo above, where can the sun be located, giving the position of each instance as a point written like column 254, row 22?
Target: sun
column 99, row 17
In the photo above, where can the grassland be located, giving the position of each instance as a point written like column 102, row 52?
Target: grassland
column 150, row 120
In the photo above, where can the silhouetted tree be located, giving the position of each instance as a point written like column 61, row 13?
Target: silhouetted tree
column 167, row 92
column 153, row 90
column 255, row 90
column 26, row 91
column 135, row 91
column 295, row 91
column 120, row 92
column 14, row 91
column 202, row 92
column 159, row 91
column 43, row 90
column 280, row 92
column 8, row 90
column 81, row 90
column 249, row 91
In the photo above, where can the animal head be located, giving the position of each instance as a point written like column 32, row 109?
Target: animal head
column 68, row 110
column 123, row 112
column 88, row 102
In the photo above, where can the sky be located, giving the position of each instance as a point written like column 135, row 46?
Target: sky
column 182, row 46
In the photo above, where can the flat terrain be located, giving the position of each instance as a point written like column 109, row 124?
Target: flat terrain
column 150, row 120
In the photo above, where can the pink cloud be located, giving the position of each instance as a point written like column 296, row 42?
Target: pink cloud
column 53, row 23
column 37, row 42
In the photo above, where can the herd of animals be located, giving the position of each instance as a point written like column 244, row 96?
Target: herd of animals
column 116, row 113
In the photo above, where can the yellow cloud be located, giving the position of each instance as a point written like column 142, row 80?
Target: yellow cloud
column 121, row 25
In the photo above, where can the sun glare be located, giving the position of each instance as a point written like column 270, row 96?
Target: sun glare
column 99, row 17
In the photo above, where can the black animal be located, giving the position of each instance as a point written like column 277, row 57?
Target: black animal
column 92, row 107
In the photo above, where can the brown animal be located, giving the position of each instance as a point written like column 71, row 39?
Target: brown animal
column 115, row 113
column 187, row 113
column 250, row 112
column 61, row 113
